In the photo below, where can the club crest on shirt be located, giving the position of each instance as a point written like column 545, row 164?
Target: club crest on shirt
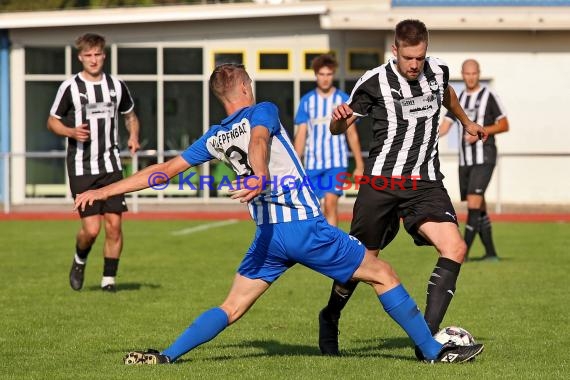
column 433, row 85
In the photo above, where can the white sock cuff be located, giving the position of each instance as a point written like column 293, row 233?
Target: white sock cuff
column 107, row 280
column 79, row 260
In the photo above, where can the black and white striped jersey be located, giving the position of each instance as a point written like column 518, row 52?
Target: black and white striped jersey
column 405, row 118
column 97, row 104
column 484, row 108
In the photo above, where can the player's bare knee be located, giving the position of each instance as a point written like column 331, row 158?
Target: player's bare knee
column 89, row 234
column 385, row 275
column 113, row 234
column 455, row 250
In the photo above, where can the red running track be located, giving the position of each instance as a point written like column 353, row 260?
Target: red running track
column 203, row 215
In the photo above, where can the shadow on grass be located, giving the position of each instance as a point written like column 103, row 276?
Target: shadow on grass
column 482, row 259
column 271, row 348
column 126, row 286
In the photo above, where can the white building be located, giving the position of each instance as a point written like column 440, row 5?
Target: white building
column 166, row 54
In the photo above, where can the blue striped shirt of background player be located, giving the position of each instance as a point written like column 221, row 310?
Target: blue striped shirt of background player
column 287, row 198
column 322, row 149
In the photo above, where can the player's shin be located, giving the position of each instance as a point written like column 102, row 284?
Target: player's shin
column 204, row 328
column 471, row 227
column 440, row 291
column 340, row 294
column 404, row 310
column 486, row 234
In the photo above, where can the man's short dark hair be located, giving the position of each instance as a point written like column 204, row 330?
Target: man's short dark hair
column 411, row 33
column 324, row 60
column 88, row 41
column 225, row 76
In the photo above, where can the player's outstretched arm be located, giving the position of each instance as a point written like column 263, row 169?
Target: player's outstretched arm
column 451, row 102
column 342, row 118
column 151, row 175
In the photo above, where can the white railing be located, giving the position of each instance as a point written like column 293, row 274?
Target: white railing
column 61, row 191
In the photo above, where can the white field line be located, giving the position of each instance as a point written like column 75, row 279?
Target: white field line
column 203, row 227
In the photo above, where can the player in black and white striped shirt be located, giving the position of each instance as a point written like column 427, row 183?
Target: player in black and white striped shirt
column 477, row 159
column 86, row 111
column 403, row 97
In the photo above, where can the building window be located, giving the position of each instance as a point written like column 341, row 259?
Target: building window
column 183, row 116
column 45, row 60
column 310, row 55
column 136, row 61
column 228, row 57
column 362, row 60
column 145, row 97
column 45, row 176
column 180, row 61
column 280, row 93
column 273, row 61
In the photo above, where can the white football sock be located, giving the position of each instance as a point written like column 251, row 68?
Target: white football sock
column 107, row 280
column 79, row 260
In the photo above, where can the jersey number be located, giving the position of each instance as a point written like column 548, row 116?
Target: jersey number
column 236, row 153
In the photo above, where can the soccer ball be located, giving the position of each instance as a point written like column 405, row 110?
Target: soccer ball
column 454, row 334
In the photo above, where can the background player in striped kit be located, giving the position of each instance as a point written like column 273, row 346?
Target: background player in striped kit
column 325, row 156
column 86, row 111
column 477, row 159
column 404, row 98
column 290, row 226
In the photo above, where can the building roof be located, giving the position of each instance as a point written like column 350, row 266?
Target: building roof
column 339, row 14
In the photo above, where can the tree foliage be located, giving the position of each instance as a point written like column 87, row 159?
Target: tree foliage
column 43, row 5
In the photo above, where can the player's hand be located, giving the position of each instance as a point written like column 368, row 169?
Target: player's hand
column 358, row 172
column 133, row 145
column 81, row 133
column 247, row 188
column 470, row 139
column 342, row 112
column 475, row 129
column 88, row 198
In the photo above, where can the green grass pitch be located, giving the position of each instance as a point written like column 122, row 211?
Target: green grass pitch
column 518, row 307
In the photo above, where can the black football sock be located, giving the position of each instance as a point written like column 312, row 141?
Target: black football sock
column 471, row 227
column 486, row 234
column 110, row 268
column 440, row 291
column 340, row 294
column 82, row 253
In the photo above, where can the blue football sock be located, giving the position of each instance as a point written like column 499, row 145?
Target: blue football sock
column 204, row 328
column 403, row 309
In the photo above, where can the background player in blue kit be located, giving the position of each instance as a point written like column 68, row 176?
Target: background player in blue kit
column 290, row 227
column 325, row 156
column 477, row 158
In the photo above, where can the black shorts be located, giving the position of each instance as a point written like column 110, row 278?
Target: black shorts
column 376, row 216
column 474, row 179
column 115, row 204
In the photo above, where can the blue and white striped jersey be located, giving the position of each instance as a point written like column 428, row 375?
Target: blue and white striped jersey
column 322, row 149
column 288, row 196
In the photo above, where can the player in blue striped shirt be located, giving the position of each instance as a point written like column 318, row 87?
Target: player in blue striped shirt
column 325, row 156
column 290, row 227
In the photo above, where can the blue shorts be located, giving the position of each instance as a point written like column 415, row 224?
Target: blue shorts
column 313, row 243
column 327, row 181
